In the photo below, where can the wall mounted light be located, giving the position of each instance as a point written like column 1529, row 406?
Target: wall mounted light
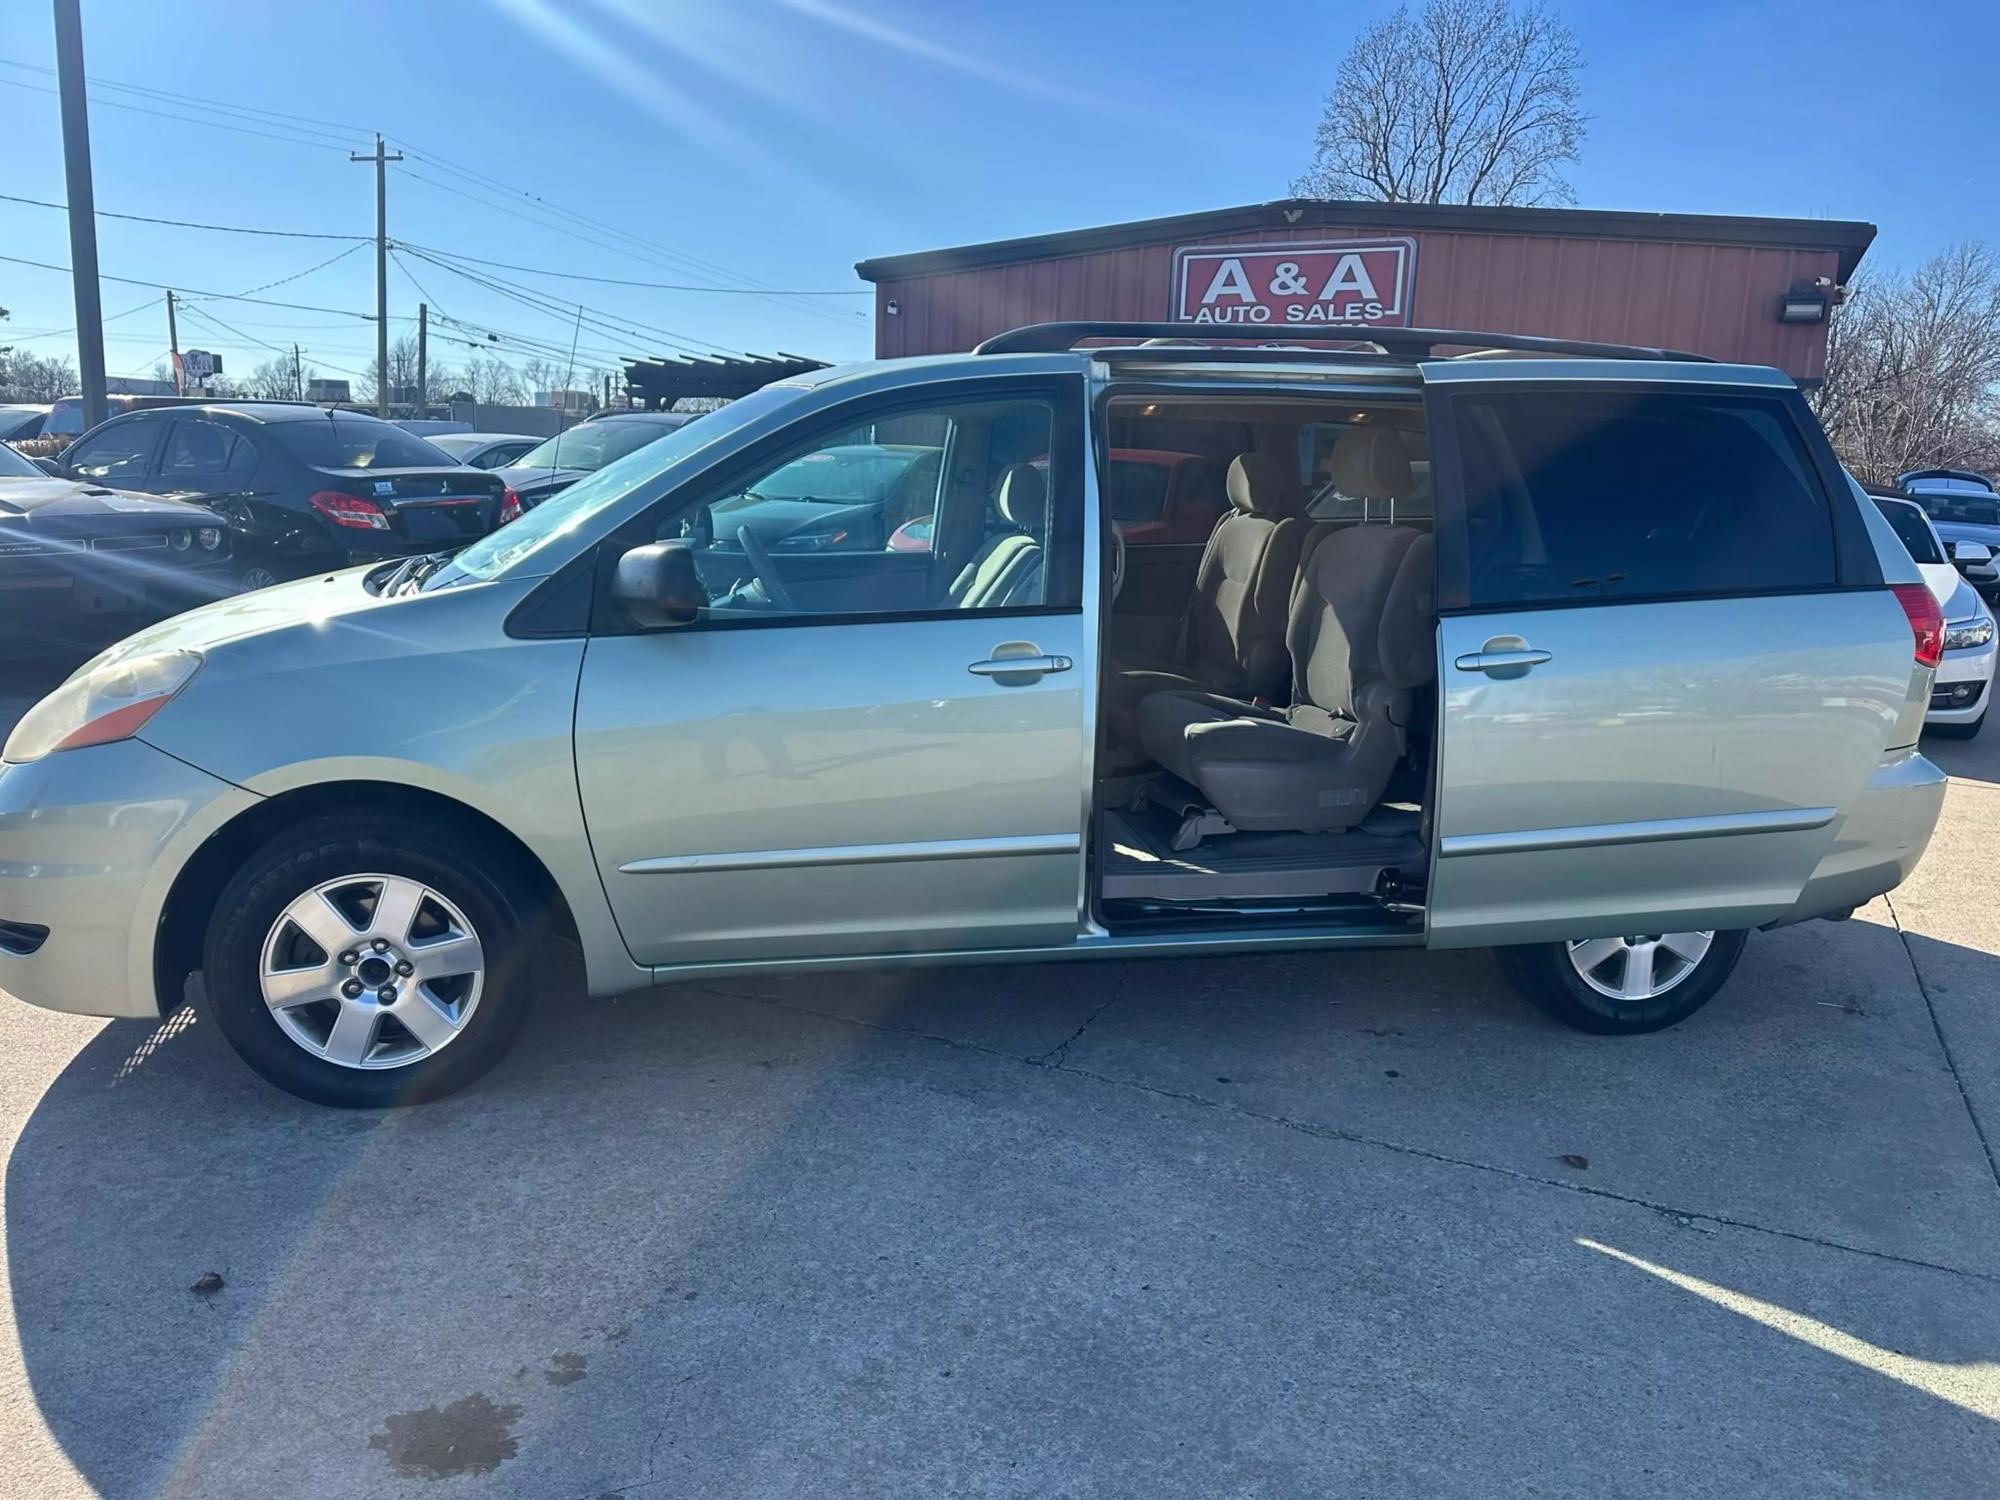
column 1804, row 303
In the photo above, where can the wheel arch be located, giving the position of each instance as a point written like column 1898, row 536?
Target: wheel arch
column 191, row 898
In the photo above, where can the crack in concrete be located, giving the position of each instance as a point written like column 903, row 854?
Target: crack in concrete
column 1057, row 1055
column 1937, row 1028
column 1400, row 1148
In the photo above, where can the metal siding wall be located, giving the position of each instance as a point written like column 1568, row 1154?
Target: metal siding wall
column 1719, row 300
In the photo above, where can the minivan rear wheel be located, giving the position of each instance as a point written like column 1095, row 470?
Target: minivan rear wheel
column 1621, row 986
column 366, row 961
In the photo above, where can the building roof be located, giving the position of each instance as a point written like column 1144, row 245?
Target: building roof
column 1850, row 238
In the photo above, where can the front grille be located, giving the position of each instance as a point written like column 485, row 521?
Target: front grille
column 1955, row 695
column 146, row 542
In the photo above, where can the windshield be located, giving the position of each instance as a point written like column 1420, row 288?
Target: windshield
column 592, row 445
column 458, row 444
column 1910, row 527
column 1968, row 506
column 349, row 440
column 14, row 466
column 518, row 542
column 840, row 476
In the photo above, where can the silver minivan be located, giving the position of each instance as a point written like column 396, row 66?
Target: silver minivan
column 1590, row 654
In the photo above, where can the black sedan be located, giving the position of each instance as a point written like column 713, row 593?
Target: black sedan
column 304, row 489
column 562, row 460
column 83, row 564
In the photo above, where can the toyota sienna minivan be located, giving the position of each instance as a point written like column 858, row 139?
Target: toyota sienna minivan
column 1590, row 654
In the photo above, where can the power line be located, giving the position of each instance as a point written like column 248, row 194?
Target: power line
column 658, row 286
column 161, row 286
column 295, row 140
column 285, row 118
column 105, row 213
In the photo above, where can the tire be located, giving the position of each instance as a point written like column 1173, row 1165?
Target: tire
column 1959, row 731
column 1545, row 975
column 257, row 576
column 464, row 1006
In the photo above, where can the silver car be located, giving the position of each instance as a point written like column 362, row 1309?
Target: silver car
column 1590, row 654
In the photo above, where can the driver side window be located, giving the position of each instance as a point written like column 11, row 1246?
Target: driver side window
column 911, row 511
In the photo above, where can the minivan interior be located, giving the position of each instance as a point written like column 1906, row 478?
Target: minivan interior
column 1268, row 688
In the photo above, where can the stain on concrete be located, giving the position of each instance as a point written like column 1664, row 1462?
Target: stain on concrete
column 470, row 1436
column 565, row 1369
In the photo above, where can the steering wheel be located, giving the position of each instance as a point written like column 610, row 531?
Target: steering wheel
column 1117, row 561
column 767, row 575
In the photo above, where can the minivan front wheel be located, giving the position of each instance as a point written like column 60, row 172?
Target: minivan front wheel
column 364, row 962
column 1620, row 986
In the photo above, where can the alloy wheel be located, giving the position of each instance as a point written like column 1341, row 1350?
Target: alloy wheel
column 372, row 971
column 1633, row 969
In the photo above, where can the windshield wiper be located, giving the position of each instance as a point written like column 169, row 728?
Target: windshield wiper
column 410, row 575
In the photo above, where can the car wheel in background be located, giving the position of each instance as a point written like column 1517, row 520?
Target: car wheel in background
column 1958, row 731
column 256, row 576
column 1620, row 986
column 366, row 961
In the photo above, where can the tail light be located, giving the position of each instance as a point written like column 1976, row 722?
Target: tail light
column 350, row 510
column 510, row 506
column 1926, row 620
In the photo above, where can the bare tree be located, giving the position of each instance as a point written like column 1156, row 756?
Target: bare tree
column 277, row 380
column 1470, row 101
column 1913, row 368
column 24, row 377
column 493, row 382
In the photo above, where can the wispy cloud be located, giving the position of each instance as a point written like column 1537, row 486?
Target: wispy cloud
column 882, row 32
column 650, row 90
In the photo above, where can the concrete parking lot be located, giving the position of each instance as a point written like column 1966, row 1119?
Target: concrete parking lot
column 1358, row 1224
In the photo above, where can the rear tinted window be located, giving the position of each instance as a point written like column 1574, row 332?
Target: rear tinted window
column 347, row 440
column 1583, row 496
column 1910, row 527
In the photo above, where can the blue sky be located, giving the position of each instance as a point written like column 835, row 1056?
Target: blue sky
column 772, row 143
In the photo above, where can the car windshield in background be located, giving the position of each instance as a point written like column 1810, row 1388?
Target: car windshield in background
column 345, row 440
column 840, row 476
column 14, row 466
column 1910, row 527
column 14, row 424
column 1966, row 506
column 516, row 544
column 593, row 445
column 457, row 444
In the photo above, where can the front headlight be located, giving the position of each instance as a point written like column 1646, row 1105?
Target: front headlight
column 1965, row 633
column 210, row 538
column 181, row 540
column 815, row 541
column 101, row 704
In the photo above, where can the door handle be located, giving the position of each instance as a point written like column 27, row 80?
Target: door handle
column 1015, row 663
column 1507, row 661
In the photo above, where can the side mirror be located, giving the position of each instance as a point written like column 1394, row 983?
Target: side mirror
column 657, row 584
column 1971, row 552
column 49, row 467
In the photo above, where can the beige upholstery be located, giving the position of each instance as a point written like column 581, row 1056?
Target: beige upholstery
column 1232, row 636
column 1371, row 463
column 1007, row 568
column 1361, row 634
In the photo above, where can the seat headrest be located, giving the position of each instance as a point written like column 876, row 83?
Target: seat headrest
column 1407, row 643
column 1024, row 497
column 1371, row 463
column 1260, row 484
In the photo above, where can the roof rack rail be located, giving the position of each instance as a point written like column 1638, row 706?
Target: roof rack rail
column 1418, row 343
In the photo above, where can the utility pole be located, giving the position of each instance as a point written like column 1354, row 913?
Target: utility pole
column 82, row 210
column 423, row 356
column 298, row 377
column 174, row 344
column 381, row 264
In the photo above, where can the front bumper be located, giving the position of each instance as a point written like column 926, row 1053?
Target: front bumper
column 90, row 843
column 1961, row 685
column 1879, row 839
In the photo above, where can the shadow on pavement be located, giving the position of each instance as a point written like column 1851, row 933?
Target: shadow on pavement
column 700, row 1243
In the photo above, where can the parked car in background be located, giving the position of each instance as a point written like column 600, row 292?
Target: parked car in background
column 558, row 462
column 65, row 419
column 483, row 450
column 304, row 489
column 1654, row 680
column 20, row 424
column 1963, row 683
column 1156, row 499
column 1966, row 511
column 82, row 564
column 850, row 497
